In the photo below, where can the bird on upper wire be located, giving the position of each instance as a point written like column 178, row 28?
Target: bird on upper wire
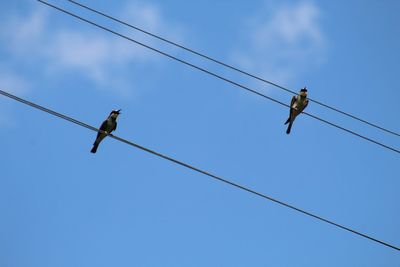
column 297, row 105
column 109, row 125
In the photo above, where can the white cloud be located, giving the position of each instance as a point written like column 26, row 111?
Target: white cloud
column 282, row 41
column 23, row 30
column 140, row 14
column 150, row 18
column 93, row 54
column 12, row 82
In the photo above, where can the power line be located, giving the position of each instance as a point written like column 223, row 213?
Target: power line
column 230, row 66
column 217, row 76
column 82, row 124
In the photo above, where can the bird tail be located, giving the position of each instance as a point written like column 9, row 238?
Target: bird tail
column 289, row 128
column 288, row 120
column 95, row 146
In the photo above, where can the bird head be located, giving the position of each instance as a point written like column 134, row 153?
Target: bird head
column 115, row 113
column 303, row 92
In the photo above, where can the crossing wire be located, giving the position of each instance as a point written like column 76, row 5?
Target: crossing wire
column 230, row 66
column 218, row 178
column 218, row 76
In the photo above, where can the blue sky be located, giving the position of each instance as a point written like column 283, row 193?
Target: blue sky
column 63, row 206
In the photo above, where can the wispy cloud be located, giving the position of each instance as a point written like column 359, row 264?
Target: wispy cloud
column 151, row 18
column 38, row 44
column 98, row 57
column 282, row 41
column 11, row 82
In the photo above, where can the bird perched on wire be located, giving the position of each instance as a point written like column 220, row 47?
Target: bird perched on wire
column 109, row 125
column 297, row 105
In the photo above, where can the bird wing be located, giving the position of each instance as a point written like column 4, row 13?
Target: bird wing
column 103, row 126
column 114, row 128
column 304, row 107
column 294, row 98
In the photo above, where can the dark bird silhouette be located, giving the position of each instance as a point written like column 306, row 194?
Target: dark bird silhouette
column 297, row 105
column 109, row 125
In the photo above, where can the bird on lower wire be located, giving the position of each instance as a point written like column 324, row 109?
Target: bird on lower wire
column 109, row 125
column 297, row 105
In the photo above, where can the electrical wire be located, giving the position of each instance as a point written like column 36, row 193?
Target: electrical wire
column 217, row 76
column 231, row 67
column 82, row 124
